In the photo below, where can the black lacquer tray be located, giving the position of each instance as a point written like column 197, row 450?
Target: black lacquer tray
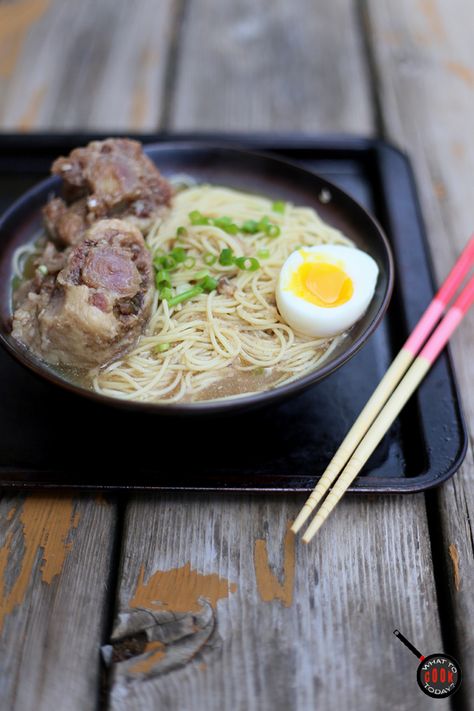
column 50, row 438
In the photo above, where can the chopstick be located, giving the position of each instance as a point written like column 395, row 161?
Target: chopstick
column 389, row 381
column 394, row 405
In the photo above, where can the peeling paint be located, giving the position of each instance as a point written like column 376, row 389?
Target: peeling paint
column 454, row 555
column 462, row 71
column 268, row 585
column 46, row 524
column 145, row 665
column 179, row 589
column 16, row 20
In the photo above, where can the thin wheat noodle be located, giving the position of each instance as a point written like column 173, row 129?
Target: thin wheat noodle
column 220, row 344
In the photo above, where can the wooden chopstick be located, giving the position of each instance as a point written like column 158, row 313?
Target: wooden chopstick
column 389, row 381
column 394, row 405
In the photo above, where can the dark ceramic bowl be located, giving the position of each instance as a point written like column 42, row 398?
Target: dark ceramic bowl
column 232, row 167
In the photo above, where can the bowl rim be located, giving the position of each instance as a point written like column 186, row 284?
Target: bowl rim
column 292, row 387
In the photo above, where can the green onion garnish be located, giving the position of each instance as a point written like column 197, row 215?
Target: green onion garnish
column 273, row 230
column 162, row 347
column 208, row 284
column 226, row 257
column 185, row 295
column 178, row 254
column 162, row 278
column 269, row 228
column 43, row 269
column 166, row 293
column 189, row 262
column 247, row 264
column 209, row 259
column 197, row 218
column 167, row 261
column 263, row 253
column 250, row 227
column 279, row 206
column 181, row 232
column 201, row 274
column 226, row 224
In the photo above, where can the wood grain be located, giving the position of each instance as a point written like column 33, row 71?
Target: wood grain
column 290, row 634
column 426, row 73
column 251, row 65
column 86, row 64
column 318, row 645
column 218, row 607
column 55, row 562
column 68, row 65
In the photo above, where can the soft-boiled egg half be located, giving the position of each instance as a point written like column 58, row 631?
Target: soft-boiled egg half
column 322, row 291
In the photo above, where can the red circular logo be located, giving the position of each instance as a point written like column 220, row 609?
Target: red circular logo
column 439, row 676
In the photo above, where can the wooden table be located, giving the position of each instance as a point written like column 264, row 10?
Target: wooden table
column 286, row 626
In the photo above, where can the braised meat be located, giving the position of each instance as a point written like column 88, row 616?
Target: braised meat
column 96, row 306
column 111, row 178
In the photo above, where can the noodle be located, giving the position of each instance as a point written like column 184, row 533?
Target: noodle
column 221, row 344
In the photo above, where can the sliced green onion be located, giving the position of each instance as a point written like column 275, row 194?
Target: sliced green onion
column 209, row 259
column 178, row 254
column 259, row 371
column 185, row 295
column 162, row 279
column 197, row 218
column 270, row 229
column 247, row 264
column 162, row 347
column 189, row 262
column 201, row 274
column 279, row 206
column 226, row 224
column 181, row 232
column 263, row 253
column 250, row 227
column 166, row 293
column 226, row 257
column 167, row 261
column 208, row 284
column 273, row 230
column 43, row 269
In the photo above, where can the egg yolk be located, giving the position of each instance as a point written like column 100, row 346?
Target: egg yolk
column 321, row 284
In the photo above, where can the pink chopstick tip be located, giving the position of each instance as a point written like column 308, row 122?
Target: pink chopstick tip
column 435, row 310
column 466, row 298
column 424, row 326
column 442, row 334
column 457, row 274
column 450, row 322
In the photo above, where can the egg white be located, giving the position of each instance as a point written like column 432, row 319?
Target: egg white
column 324, row 322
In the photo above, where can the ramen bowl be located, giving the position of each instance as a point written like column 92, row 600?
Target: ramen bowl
column 234, row 168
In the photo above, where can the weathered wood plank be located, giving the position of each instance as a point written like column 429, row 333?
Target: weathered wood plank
column 288, row 622
column 289, row 634
column 55, row 563
column 425, row 64
column 250, row 65
column 68, row 65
